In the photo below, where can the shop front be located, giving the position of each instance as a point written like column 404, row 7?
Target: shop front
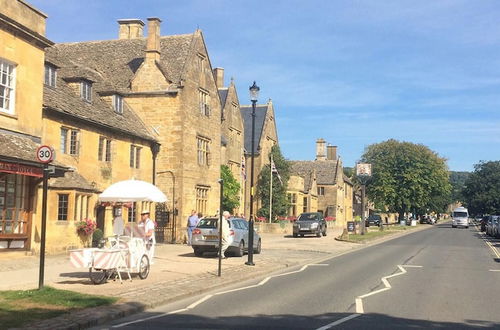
column 18, row 184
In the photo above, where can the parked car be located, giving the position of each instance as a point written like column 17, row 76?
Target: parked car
column 477, row 219
column 428, row 219
column 310, row 223
column 490, row 224
column 373, row 219
column 495, row 232
column 483, row 222
column 206, row 237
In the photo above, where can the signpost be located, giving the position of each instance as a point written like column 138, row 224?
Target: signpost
column 45, row 155
column 363, row 172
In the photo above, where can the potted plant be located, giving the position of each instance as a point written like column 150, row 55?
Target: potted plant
column 85, row 228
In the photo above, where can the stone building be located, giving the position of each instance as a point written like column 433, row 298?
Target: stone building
column 302, row 194
column 168, row 82
column 232, row 136
column 266, row 136
column 22, row 44
column 334, row 189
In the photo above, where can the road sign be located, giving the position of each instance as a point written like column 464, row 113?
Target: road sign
column 45, row 154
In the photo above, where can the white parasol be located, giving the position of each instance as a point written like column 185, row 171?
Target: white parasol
column 132, row 191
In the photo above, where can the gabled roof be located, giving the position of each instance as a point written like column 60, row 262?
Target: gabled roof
column 223, row 95
column 116, row 61
column 260, row 117
column 326, row 171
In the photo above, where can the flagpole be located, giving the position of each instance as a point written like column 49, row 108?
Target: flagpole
column 271, row 192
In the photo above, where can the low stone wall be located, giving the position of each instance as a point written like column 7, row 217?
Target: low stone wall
column 281, row 228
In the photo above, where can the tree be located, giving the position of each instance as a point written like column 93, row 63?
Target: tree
column 231, row 193
column 457, row 180
column 482, row 189
column 407, row 177
column 280, row 199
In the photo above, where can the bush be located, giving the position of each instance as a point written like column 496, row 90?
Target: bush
column 97, row 236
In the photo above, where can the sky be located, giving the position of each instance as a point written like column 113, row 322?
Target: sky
column 353, row 72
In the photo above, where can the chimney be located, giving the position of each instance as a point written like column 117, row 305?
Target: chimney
column 153, row 42
column 331, row 152
column 320, row 149
column 130, row 28
column 219, row 77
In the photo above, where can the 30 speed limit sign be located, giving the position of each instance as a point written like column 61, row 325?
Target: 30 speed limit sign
column 45, row 154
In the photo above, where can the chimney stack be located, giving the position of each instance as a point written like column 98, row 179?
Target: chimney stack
column 219, row 77
column 130, row 28
column 320, row 149
column 331, row 152
column 153, row 42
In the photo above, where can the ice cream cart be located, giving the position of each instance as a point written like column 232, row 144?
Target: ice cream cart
column 126, row 251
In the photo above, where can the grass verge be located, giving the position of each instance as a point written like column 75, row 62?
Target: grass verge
column 375, row 232
column 19, row 307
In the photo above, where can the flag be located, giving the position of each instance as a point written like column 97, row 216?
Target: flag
column 275, row 170
column 243, row 169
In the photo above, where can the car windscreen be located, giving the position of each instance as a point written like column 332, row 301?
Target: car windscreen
column 308, row 217
column 460, row 214
column 374, row 217
column 207, row 223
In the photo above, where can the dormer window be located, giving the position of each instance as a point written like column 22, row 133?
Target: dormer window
column 118, row 103
column 86, row 90
column 50, row 75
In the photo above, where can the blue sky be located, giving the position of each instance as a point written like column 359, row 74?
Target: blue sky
column 353, row 72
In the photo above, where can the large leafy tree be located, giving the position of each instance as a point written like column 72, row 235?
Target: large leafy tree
column 279, row 200
column 407, row 177
column 482, row 189
column 231, row 193
column 457, row 180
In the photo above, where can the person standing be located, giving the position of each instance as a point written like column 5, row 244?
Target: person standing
column 191, row 223
column 225, row 232
column 149, row 234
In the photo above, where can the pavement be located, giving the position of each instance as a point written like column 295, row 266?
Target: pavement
column 175, row 274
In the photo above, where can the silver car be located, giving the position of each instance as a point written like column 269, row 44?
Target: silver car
column 206, row 237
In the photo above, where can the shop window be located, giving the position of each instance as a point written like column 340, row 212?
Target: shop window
column 62, row 207
column 7, row 86
column 14, row 206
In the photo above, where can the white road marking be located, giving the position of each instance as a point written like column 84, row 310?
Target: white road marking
column 196, row 303
column 345, row 319
column 494, row 270
column 485, row 239
column 359, row 299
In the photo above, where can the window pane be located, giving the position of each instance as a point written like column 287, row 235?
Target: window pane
column 62, row 214
column 132, row 154
column 64, row 136
column 73, row 146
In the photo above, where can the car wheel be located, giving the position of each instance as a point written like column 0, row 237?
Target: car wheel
column 295, row 235
column 198, row 252
column 466, row 227
column 453, row 226
column 241, row 249
column 324, row 232
column 301, row 235
column 318, row 234
column 258, row 250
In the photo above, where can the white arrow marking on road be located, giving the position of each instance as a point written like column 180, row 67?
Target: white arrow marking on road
column 359, row 300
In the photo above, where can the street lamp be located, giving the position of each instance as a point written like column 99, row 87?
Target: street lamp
column 363, row 172
column 254, row 95
column 173, row 202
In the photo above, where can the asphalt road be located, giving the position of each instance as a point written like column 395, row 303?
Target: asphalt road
column 438, row 278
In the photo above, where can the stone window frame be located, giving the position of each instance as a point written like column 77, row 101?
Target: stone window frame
column 292, row 198
column 70, row 141
column 50, row 77
column 203, row 150
column 104, row 149
column 118, row 103
column 86, row 90
column 62, row 207
column 135, row 156
column 321, row 191
column 7, row 86
column 204, row 102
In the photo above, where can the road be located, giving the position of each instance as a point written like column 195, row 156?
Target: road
column 436, row 278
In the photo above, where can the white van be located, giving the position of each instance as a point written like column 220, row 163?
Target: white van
column 460, row 217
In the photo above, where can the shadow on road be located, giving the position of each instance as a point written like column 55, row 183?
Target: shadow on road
column 289, row 321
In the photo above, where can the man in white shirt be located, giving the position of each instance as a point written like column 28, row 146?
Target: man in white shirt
column 225, row 233
column 149, row 236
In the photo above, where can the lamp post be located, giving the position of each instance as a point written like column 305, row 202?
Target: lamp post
column 254, row 94
column 173, row 202
column 363, row 172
